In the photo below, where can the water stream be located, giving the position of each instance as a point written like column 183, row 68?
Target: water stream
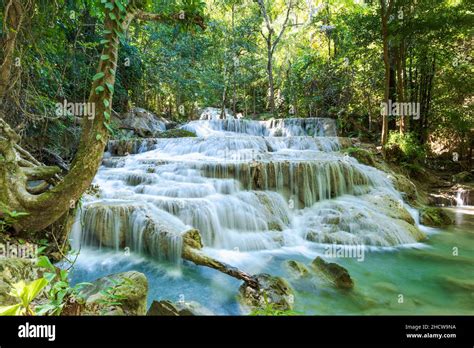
column 262, row 193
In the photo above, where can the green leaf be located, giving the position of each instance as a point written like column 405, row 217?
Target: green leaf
column 104, row 41
column 27, row 292
column 107, row 31
column 97, row 76
column 43, row 261
column 99, row 89
column 49, row 276
column 34, row 288
column 40, row 250
column 112, row 16
column 104, row 57
column 44, row 309
column 110, row 87
column 112, row 71
column 64, row 275
column 106, row 115
column 11, row 310
column 119, row 34
column 120, row 6
column 108, row 128
column 110, row 6
column 98, row 137
column 106, row 103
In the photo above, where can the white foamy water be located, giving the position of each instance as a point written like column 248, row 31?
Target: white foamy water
column 248, row 187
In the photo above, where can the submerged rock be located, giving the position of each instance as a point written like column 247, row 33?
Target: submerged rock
column 272, row 291
column 334, row 273
column 457, row 284
column 434, row 217
column 116, row 294
column 177, row 309
column 297, row 269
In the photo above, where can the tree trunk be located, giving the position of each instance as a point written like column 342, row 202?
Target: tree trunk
column 400, row 90
column 271, row 87
column 14, row 13
column 386, row 59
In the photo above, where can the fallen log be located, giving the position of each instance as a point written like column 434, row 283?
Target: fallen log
column 191, row 251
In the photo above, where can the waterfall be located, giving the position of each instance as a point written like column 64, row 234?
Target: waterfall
column 462, row 197
column 245, row 185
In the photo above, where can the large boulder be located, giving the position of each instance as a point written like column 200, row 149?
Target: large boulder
column 434, row 217
column 116, row 294
column 141, row 122
column 334, row 273
column 177, row 309
column 272, row 291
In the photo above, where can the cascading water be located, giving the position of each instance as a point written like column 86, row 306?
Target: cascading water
column 255, row 190
column 243, row 188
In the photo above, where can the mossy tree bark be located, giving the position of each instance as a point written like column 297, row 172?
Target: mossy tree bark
column 43, row 208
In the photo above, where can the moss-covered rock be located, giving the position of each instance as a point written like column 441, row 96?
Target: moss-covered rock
column 274, row 291
column 296, row 269
column 116, row 294
column 463, row 177
column 362, row 155
column 177, row 309
column 434, row 217
column 406, row 186
column 176, row 133
column 334, row 273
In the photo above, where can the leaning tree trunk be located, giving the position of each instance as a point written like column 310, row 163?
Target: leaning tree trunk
column 14, row 14
column 45, row 206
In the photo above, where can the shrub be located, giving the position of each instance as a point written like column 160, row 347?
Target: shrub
column 404, row 148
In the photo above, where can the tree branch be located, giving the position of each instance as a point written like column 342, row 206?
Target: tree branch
column 283, row 28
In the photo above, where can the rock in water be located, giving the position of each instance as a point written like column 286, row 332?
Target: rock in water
column 274, row 291
column 336, row 274
column 142, row 122
column 168, row 308
column 297, row 269
column 434, row 217
column 117, row 294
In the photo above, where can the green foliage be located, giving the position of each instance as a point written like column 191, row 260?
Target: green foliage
column 8, row 218
column 110, row 297
column 336, row 72
column 269, row 309
column 60, row 292
column 25, row 293
column 362, row 155
column 176, row 133
column 404, row 148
